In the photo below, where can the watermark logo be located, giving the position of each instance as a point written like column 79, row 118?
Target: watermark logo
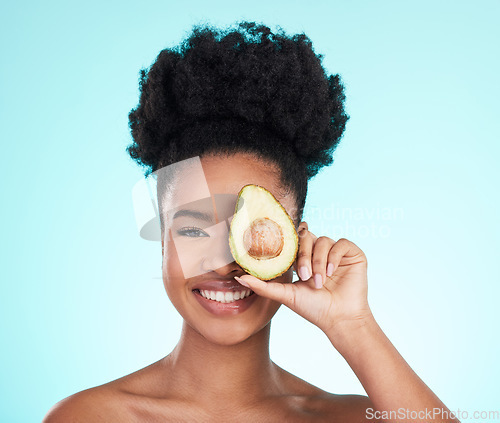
column 339, row 221
column 432, row 414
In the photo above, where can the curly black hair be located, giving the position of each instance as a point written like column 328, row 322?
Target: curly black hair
column 243, row 89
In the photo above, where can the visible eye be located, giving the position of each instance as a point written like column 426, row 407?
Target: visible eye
column 192, row 232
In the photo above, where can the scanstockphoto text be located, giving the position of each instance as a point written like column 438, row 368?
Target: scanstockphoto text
column 433, row 414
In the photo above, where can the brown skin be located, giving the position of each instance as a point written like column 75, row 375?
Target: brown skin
column 221, row 369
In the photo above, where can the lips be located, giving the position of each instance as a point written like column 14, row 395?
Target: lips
column 223, row 297
column 219, row 285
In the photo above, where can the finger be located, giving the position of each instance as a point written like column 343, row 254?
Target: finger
column 343, row 249
column 304, row 254
column 320, row 254
column 284, row 293
column 300, row 232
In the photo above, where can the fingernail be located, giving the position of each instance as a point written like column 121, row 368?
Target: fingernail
column 318, row 280
column 329, row 269
column 304, row 273
column 242, row 281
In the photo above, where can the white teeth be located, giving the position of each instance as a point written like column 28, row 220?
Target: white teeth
column 226, row 296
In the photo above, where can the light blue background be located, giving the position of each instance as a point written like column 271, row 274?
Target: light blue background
column 81, row 303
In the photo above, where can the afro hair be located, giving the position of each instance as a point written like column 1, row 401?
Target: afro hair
column 240, row 89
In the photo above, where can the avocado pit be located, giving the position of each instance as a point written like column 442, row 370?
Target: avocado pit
column 263, row 239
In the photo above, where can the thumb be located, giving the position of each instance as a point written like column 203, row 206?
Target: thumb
column 281, row 292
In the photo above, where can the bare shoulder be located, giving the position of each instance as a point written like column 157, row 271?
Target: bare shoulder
column 97, row 404
column 328, row 406
column 348, row 407
column 110, row 402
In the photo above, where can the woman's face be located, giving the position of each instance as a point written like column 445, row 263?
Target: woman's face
column 197, row 262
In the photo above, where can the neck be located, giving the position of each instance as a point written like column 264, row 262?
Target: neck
column 241, row 373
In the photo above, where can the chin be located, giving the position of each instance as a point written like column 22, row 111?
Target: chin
column 228, row 333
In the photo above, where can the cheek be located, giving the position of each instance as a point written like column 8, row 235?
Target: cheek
column 173, row 275
column 185, row 257
column 285, row 277
column 182, row 260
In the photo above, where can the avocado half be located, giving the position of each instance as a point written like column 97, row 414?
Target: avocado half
column 262, row 236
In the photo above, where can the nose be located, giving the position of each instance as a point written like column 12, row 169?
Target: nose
column 222, row 268
column 219, row 258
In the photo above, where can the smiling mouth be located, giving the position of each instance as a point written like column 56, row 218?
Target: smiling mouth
column 224, row 296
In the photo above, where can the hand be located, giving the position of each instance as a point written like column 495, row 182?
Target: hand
column 333, row 286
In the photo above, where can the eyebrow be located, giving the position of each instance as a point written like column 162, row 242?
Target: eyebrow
column 194, row 214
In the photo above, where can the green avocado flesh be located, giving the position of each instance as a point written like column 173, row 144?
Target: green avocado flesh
column 262, row 237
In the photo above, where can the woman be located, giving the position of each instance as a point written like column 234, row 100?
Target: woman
column 223, row 110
